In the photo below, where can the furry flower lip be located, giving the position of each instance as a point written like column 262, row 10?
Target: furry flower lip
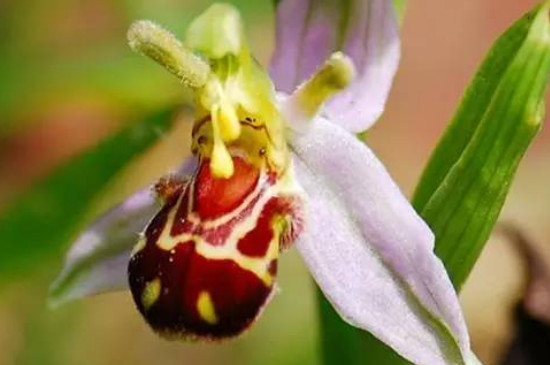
column 277, row 164
column 206, row 264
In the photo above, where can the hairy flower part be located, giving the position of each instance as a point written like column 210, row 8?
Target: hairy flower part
column 207, row 262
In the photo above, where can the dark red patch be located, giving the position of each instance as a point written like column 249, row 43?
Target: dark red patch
column 238, row 295
column 216, row 235
column 215, row 197
column 292, row 207
column 272, row 268
column 157, row 224
column 256, row 242
column 181, row 224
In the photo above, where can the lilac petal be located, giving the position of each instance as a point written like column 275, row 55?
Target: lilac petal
column 302, row 24
column 371, row 254
column 97, row 261
column 308, row 31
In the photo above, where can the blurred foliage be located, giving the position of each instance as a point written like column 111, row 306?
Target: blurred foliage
column 49, row 55
column 465, row 183
column 532, row 313
column 41, row 222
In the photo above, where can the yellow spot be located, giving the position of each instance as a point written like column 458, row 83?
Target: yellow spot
column 205, row 307
column 151, row 293
column 215, row 98
column 230, row 127
column 221, row 164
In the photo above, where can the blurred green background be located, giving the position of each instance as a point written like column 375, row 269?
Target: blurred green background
column 68, row 79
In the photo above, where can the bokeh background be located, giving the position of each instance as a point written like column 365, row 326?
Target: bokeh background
column 68, row 79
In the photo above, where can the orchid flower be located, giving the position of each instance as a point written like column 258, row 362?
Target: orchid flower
column 270, row 170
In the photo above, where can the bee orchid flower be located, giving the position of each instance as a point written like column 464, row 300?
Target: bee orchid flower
column 271, row 169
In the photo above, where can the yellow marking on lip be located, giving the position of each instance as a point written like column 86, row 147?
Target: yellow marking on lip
column 259, row 266
column 167, row 242
column 205, row 307
column 151, row 293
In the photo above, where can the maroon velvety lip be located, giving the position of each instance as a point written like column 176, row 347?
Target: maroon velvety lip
column 237, row 295
column 178, row 286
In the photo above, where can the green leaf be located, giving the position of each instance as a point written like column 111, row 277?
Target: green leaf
column 470, row 171
column 465, row 183
column 39, row 223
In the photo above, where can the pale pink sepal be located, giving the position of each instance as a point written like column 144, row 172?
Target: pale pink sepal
column 308, row 31
column 97, row 261
column 370, row 253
